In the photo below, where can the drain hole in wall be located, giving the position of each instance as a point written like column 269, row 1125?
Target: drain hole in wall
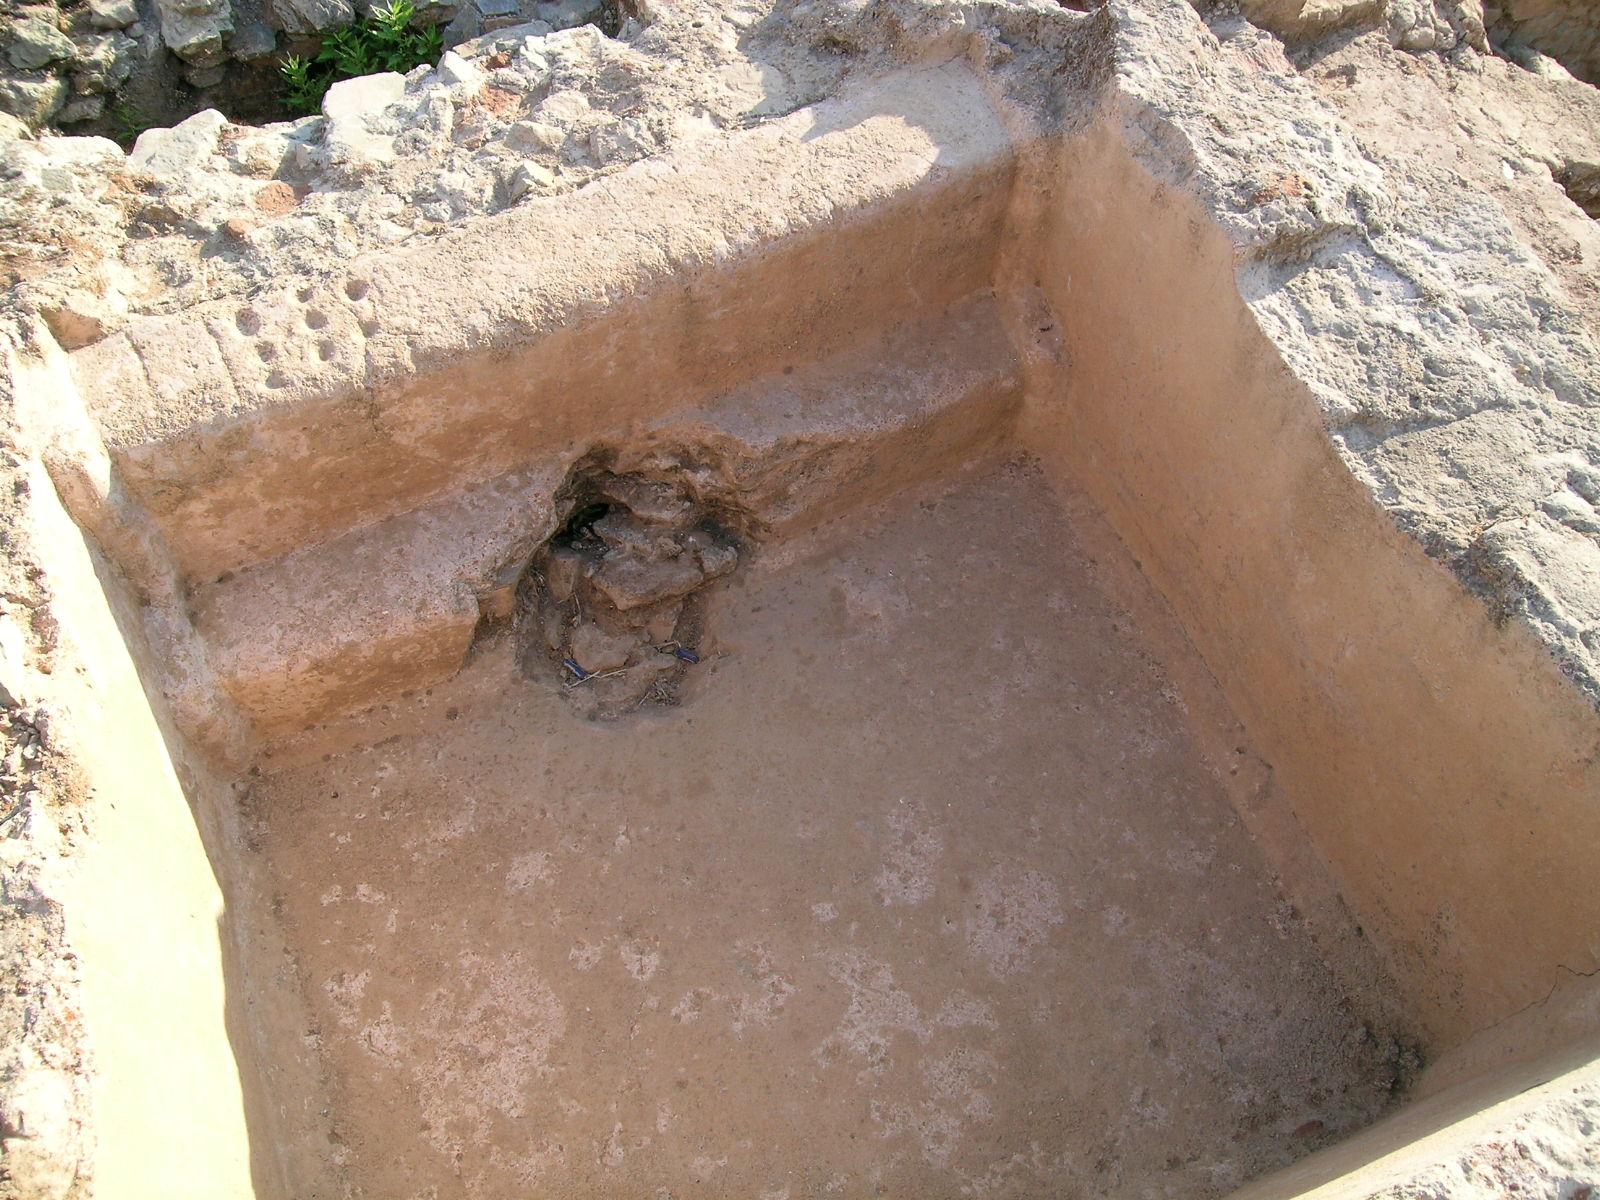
column 613, row 605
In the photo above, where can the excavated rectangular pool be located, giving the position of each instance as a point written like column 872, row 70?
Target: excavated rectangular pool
column 869, row 682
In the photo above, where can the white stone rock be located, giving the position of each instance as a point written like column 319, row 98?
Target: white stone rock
column 535, row 135
column 33, row 99
column 90, row 152
column 259, row 152
column 464, row 191
column 352, row 147
column 622, row 141
column 350, row 107
column 457, row 72
column 438, row 114
column 575, row 49
column 169, row 153
column 531, row 61
column 569, row 107
column 354, row 99
column 529, row 177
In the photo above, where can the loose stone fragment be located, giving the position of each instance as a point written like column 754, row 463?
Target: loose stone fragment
column 630, row 583
column 36, row 43
column 112, row 14
column 598, row 650
column 562, row 571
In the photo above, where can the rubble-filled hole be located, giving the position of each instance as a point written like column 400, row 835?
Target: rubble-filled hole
column 612, row 605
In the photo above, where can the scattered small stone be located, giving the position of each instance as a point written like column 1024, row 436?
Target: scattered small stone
column 457, row 72
column 534, row 136
column 194, row 30
column 37, row 43
column 112, row 14
column 622, row 141
column 629, row 582
column 600, row 651
column 32, row 99
column 311, row 16
column 83, row 108
column 105, row 62
column 716, row 558
column 500, row 99
column 568, row 14
column 252, row 41
column 626, row 534
column 157, row 212
column 528, row 178
column 463, row 191
column 562, row 570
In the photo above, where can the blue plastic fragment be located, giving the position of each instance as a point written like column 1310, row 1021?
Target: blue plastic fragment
column 571, row 664
column 688, row 655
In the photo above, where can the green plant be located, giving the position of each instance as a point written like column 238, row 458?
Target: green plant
column 128, row 121
column 301, row 91
column 384, row 41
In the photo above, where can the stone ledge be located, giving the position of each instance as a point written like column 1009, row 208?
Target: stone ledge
column 393, row 607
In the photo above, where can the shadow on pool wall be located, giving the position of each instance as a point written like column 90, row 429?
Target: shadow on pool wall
column 1441, row 764
column 202, row 1080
